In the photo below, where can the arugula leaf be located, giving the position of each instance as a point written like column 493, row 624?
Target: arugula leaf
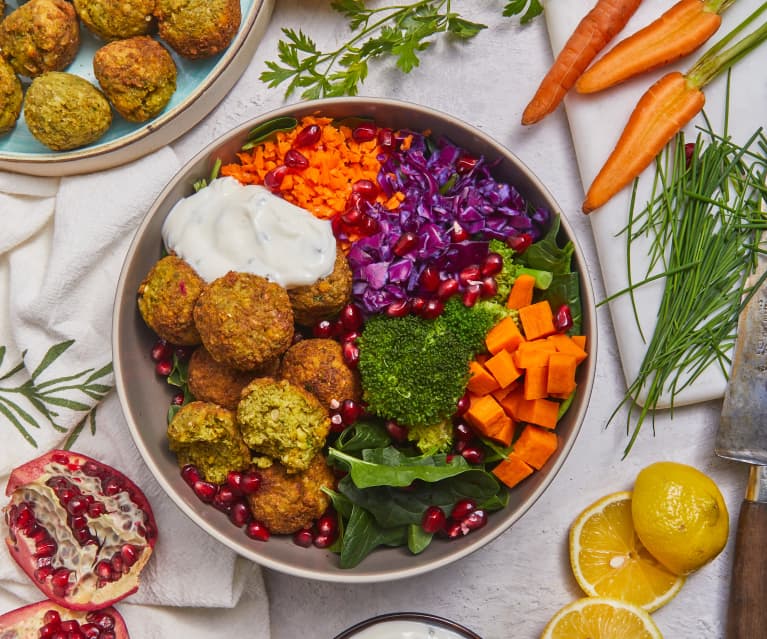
column 530, row 9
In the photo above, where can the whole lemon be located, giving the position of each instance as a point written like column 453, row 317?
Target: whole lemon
column 679, row 515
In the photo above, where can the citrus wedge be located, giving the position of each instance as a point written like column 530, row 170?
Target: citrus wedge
column 601, row 618
column 608, row 560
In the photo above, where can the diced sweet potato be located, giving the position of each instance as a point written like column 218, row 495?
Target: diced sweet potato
column 484, row 414
column 481, row 381
column 537, row 320
column 504, row 335
column 535, row 446
column 542, row 412
column 536, row 378
column 566, row 344
column 521, row 293
column 502, row 367
column 560, row 377
column 512, row 470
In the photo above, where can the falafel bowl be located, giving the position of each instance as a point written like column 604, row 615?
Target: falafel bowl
column 387, row 398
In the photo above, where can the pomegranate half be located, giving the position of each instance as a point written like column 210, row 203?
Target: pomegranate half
column 80, row 529
column 49, row 620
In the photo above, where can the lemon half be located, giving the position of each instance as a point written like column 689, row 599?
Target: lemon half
column 601, row 618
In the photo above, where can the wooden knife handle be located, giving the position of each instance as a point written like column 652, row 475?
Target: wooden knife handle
column 747, row 614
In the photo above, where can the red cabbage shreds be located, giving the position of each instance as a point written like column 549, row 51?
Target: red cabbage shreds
column 443, row 186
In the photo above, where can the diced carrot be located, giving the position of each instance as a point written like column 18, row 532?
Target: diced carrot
column 535, row 446
column 502, row 367
column 512, row 470
column 537, row 320
column 542, row 412
column 566, row 344
column 561, row 373
column 481, row 381
column 580, row 340
column 521, row 293
column 484, row 413
column 536, row 378
column 504, row 335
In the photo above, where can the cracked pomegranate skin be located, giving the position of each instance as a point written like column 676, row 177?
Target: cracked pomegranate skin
column 80, row 529
column 46, row 618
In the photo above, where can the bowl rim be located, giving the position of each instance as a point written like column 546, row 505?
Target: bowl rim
column 470, row 545
column 423, row 617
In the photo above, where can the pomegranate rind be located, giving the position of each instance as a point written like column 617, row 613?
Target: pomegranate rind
column 27, row 620
column 86, row 596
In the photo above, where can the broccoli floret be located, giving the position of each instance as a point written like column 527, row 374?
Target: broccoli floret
column 437, row 438
column 413, row 370
column 512, row 270
column 472, row 324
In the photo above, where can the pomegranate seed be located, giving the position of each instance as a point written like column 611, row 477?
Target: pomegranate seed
column 351, row 354
column 60, row 578
column 307, row 136
column 396, row 432
column 352, row 217
column 433, row 519
column 327, row 525
column 462, row 432
column 474, row 520
column 323, row 541
column 469, row 275
column 92, row 469
column 453, row 530
column 69, row 625
column 295, row 160
column 273, row 179
column 41, row 574
column 204, row 490
column 471, row 295
column 386, row 138
column 489, row 287
column 429, row 278
column 46, row 549
column 303, row 538
column 163, row 367
column 417, row 305
column 462, row 508
column 96, row 509
column 460, row 445
column 458, row 233
column 183, row 353
column 257, row 530
column 77, row 506
column 111, row 485
column 224, row 499
column 323, row 329
column 366, row 189
column 473, row 455
column 432, row 309
column 161, row 350
column 405, row 243
column 563, row 319
column 251, row 482
column 103, row 620
column 466, row 163
column 66, row 495
column 351, row 411
column 240, row 514
column 365, row 132
column 117, row 565
column 463, row 403
column 177, row 399
column 447, row 288
column 190, row 474
column 519, row 242
column 91, row 631
column 129, row 554
column 353, row 336
column 492, row 265
column 398, row 309
column 337, row 423
column 234, row 481
column 368, row 225
column 52, row 616
column 60, row 458
column 351, row 317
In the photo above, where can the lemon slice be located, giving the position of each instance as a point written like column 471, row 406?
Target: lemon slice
column 608, row 560
column 601, row 618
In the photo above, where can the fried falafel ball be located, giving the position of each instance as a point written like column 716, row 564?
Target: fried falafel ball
column 210, row 381
column 198, row 28
column 244, row 320
column 326, row 297
column 166, row 300
column 283, row 421
column 207, row 436
column 65, row 111
column 287, row 502
column 116, row 19
column 40, row 36
column 11, row 96
column 137, row 75
column 318, row 366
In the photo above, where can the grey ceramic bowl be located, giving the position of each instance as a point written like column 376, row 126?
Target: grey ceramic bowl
column 145, row 398
column 407, row 625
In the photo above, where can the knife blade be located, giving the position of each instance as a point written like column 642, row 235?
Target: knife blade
column 742, row 436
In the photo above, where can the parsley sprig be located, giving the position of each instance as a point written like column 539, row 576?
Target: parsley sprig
column 401, row 31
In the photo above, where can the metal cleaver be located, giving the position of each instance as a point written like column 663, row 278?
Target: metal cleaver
column 742, row 437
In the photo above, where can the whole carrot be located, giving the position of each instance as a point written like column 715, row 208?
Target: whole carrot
column 591, row 35
column 663, row 110
column 676, row 33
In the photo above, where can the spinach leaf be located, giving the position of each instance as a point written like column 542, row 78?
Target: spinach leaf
column 264, row 131
column 547, row 255
column 418, row 539
column 341, row 503
column 362, row 435
column 363, row 535
column 565, row 289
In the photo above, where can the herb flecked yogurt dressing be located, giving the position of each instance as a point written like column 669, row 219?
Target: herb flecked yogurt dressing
column 228, row 226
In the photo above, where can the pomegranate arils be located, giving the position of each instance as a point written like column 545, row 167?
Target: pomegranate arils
column 351, row 354
column 308, row 136
column 351, row 317
column 52, row 616
column 447, row 288
column 466, row 163
column 103, row 620
column 251, row 482
column 204, row 490
column 257, row 530
column 429, row 278
column 492, row 265
column 398, row 309
column 432, row 309
column 473, row 455
column 463, row 403
column 295, row 160
column 433, row 519
column 350, row 411
column 77, row 506
column 129, row 554
column 462, row 432
column 327, row 525
column 462, row 508
column 190, row 474
column 323, row 329
column 458, row 233
column 471, row 295
column 367, row 189
column 164, row 367
column 365, row 132
column 563, row 319
column 239, row 514
column 303, row 538
column 323, row 541
column 489, row 287
column 405, row 243
column 519, row 242
column 475, row 520
column 396, row 432
column 386, row 138
column 274, row 178
column 469, row 275
column 60, row 458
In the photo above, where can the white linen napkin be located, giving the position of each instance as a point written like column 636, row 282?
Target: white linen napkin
column 62, row 246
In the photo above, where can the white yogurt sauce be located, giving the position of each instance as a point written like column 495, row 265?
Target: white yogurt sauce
column 401, row 629
column 231, row 227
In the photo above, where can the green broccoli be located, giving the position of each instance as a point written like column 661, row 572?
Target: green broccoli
column 436, row 438
column 512, row 270
column 472, row 324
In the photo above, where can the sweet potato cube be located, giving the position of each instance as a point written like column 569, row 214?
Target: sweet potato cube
column 580, row 341
column 566, row 344
column 502, row 367
column 512, row 470
column 504, row 432
column 501, row 393
column 484, row 414
column 537, row 320
column 511, row 402
column 542, row 412
column 521, row 293
column 536, row 378
column 504, row 335
column 481, row 381
column 535, row 446
column 561, row 373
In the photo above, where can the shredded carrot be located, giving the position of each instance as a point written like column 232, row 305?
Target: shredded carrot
column 591, row 35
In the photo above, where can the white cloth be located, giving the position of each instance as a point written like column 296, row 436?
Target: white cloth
column 62, row 246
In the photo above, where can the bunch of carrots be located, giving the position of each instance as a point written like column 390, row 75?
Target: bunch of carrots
column 669, row 104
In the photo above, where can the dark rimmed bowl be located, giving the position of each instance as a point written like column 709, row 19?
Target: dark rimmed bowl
column 406, row 624
column 144, row 397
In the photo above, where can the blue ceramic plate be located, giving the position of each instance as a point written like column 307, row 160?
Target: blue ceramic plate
column 200, row 86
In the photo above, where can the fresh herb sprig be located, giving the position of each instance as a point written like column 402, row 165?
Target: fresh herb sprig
column 705, row 224
column 401, row 31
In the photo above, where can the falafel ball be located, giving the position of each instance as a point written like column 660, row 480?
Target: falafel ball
column 210, row 381
column 40, row 36
column 198, row 28
column 206, row 435
column 244, row 320
column 326, row 297
column 166, row 300
column 282, row 420
column 11, row 96
column 318, row 365
column 137, row 75
column 287, row 502
column 115, row 19
column 65, row 111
